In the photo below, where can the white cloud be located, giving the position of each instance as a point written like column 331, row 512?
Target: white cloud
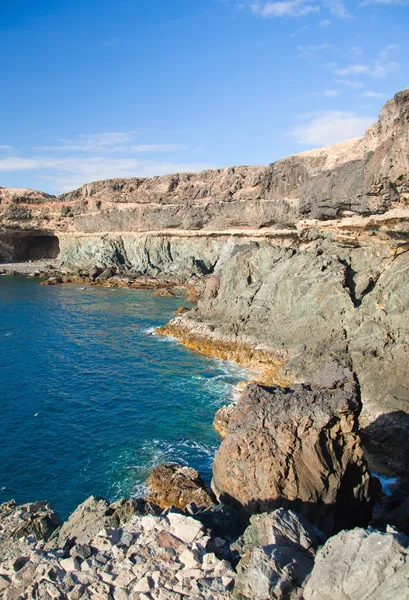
column 110, row 142
column 96, row 141
column 337, row 8
column 370, row 94
column 331, row 93
column 6, row 148
column 296, row 8
column 352, row 83
column 310, row 50
column 386, row 2
column 378, row 68
column 331, row 127
column 284, row 8
column 68, row 173
column 157, row 147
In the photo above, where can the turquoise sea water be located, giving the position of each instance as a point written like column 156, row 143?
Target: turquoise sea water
column 89, row 401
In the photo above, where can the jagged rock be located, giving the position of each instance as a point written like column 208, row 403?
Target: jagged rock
column 223, row 521
column 295, row 448
column 280, row 528
column 278, row 551
column 106, row 274
column 94, row 272
column 222, row 419
column 272, row 572
column 93, row 515
column 54, row 280
column 149, row 558
column 37, row 519
column 361, row 565
column 175, row 485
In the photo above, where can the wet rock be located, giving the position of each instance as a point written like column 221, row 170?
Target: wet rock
column 175, row 485
column 95, row 272
column 164, row 293
column 295, row 448
column 106, row 274
column 361, row 565
column 54, row 280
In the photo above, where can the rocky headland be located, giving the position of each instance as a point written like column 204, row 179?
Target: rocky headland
column 300, row 271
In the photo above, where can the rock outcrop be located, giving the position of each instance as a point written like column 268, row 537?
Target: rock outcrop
column 295, row 448
column 361, row 565
column 176, row 485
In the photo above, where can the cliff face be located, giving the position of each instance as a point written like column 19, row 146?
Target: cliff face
column 305, row 259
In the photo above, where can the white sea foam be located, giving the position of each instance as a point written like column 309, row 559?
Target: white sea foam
column 149, row 331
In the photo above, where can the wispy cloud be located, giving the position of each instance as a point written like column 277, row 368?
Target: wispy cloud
column 378, row 68
column 337, row 8
column 6, row 148
column 95, row 141
column 311, row 49
column 352, row 83
column 68, row 173
column 285, row 8
column 325, row 23
column 110, row 142
column 370, row 94
column 296, row 8
column 330, row 127
column 386, row 2
column 331, row 93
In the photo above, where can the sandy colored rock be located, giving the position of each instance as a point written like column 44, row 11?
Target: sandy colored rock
column 222, row 419
column 164, row 292
column 175, row 485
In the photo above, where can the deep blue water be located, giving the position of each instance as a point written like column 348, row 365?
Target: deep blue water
column 89, row 401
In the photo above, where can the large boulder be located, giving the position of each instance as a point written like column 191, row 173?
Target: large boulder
column 361, row 565
column 175, row 485
column 279, row 550
column 296, row 448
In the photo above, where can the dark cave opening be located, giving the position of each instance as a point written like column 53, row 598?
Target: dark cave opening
column 23, row 247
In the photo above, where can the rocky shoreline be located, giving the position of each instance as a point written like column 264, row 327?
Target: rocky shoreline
column 299, row 271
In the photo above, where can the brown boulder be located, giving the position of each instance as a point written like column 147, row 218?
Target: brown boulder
column 295, row 448
column 175, row 485
column 163, row 292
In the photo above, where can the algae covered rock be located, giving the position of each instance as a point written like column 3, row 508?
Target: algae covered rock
column 296, row 448
column 175, row 485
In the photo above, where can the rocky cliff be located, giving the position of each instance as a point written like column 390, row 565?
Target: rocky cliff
column 302, row 265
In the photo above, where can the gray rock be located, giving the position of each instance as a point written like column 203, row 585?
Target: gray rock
column 361, row 565
column 280, row 528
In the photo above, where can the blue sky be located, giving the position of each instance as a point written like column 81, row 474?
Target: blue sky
column 92, row 89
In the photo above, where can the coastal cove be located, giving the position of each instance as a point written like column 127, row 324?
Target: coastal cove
column 91, row 402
